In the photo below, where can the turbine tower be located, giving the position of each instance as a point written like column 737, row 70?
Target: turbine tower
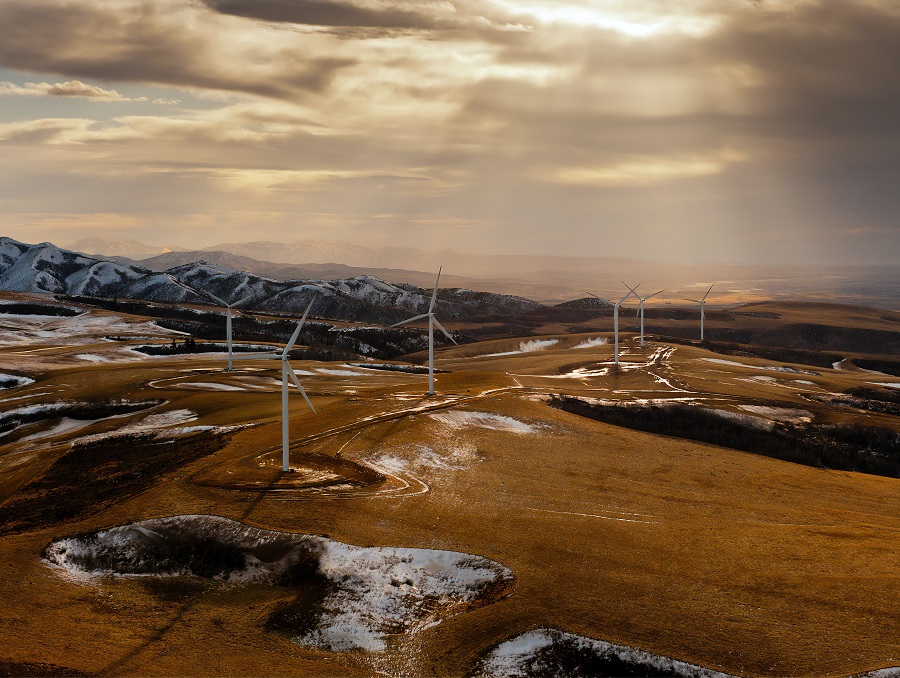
column 702, row 303
column 432, row 321
column 641, row 309
column 210, row 295
column 616, row 317
column 287, row 373
column 228, row 324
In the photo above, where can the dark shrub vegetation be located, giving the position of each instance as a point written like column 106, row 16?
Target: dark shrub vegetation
column 847, row 448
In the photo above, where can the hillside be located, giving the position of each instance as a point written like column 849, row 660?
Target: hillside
column 47, row 268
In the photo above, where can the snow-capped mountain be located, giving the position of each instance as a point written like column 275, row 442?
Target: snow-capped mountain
column 47, row 268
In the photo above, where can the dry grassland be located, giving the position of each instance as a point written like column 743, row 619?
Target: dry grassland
column 728, row 560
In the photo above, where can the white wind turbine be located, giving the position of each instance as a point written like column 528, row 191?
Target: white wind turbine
column 641, row 309
column 204, row 293
column 702, row 303
column 287, row 373
column 616, row 317
column 432, row 321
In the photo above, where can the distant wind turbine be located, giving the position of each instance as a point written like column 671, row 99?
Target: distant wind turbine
column 702, row 303
column 641, row 309
column 204, row 293
column 432, row 321
column 616, row 317
column 287, row 373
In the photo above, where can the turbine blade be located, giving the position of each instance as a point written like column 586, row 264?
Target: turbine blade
column 241, row 301
column 213, row 296
column 409, row 320
column 631, row 288
column 654, row 294
column 630, row 292
column 441, row 328
column 637, row 314
column 186, row 286
column 593, row 295
column 707, row 292
column 696, row 301
column 258, row 356
column 297, row 329
column 300, row 386
column 434, row 294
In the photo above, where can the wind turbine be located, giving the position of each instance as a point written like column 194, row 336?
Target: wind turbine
column 432, row 321
column 287, row 373
column 702, row 303
column 204, row 293
column 641, row 309
column 616, row 317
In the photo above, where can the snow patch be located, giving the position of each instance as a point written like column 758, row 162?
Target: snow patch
column 367, row 593
column 591, row 343
column 90, row 357
column 209, row 386
column 770, row 368
column 788, row 414
column 525, row 347
column 457, row 419
column 14, row 380
column 886, row 384
column 65, row 425
column 539, row 651
column 162, row 419
column 341, row 373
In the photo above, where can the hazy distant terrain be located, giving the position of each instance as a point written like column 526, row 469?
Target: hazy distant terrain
column 547, row 279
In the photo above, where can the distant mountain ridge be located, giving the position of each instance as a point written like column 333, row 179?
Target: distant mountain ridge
column 120, row 248
column 47, row 268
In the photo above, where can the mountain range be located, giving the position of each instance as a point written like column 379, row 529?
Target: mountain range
column 46, row 268
column 546, row 279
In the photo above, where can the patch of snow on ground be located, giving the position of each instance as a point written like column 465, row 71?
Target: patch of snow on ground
column 81, row 329
column 591, row 343
column 5, row 380
column 886, row 384
column 64, row 426
column 369, row 593
column 381, row 587
column 770, row 368
column 747, row 420
column 341, row 373
column 448, row 457
column 162, row 419
column 525, row 347
column 457, row 419
column 209, row 386
column 518, row 656
column 90, row 357
column 788, row 414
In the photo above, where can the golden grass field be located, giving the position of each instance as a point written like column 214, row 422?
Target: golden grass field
column 732, row 561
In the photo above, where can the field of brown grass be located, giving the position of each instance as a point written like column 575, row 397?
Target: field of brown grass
column 733, row 561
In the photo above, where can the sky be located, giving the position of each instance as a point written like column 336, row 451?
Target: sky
column 731, row 131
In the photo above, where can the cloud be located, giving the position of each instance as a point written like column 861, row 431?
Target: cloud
column 644, row 171
column 44, row 131
column 601, row 112
column 72, row 88
column 172, row 43
column 347, row 14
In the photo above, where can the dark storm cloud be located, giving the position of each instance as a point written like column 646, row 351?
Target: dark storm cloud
column 827, row 68
column 147, row 44
column 327, row 13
